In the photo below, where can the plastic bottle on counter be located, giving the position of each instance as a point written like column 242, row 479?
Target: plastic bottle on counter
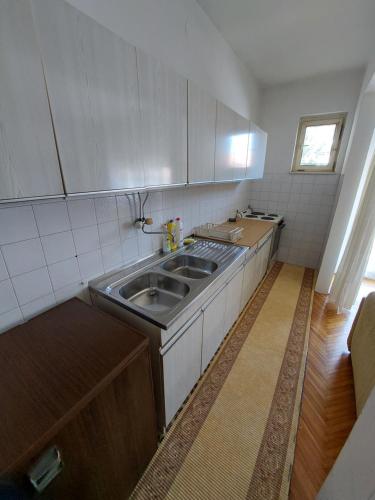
column 172, row 234
column 166, row 240
column 179, row 232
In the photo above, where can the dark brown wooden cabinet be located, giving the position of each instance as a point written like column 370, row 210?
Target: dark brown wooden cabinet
column 79, row 380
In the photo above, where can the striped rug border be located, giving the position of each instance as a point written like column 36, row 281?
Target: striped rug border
column 270, row 464
column 163, row 469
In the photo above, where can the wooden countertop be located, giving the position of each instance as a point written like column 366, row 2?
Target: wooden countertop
column 254, row 231
column 52, row 367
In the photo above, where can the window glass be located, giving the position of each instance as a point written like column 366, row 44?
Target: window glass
column 317, row 146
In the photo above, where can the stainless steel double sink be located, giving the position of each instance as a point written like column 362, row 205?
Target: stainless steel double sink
column 157, row 292
column 161, row 288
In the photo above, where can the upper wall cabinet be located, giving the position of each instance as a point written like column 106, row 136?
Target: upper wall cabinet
column 256, row 152
column 201, row 135
column 92, row 81
column 163, row 101
column 28, row 158
column 232, row 133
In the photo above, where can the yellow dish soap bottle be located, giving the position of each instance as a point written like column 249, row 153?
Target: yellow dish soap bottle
column 172, row 234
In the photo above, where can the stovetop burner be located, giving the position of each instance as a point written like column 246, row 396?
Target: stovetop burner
column 251, row 216
column 258, row 213
column 273, row 215
column 267, row 217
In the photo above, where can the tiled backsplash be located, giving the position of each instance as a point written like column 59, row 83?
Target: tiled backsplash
column 50, row 249
column 307, row 202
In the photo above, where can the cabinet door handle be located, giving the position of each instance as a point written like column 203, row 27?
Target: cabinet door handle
column 46, row 469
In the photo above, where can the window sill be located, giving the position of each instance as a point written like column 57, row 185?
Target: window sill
column 314, row 173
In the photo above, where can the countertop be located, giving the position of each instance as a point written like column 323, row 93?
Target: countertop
column 254, row 230
column 51, row 367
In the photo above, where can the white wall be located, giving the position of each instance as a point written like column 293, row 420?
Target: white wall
column 181, row 34
column 306, row 200
column 357, row 160
column 353, row 475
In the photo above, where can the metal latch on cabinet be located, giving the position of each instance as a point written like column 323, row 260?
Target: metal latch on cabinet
column 48, row 466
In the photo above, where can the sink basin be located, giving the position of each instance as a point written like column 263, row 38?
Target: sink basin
column 154, row 292
column 190, row 266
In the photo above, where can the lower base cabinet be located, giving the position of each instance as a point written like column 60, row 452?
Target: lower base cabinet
column 182, row 366
column 78, row 419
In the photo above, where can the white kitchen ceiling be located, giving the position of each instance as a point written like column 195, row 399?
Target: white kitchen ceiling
column 285, row 40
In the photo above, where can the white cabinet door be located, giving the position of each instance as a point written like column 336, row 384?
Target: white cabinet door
column 232, row 132
column 163, row 102
column 249, row 283
column 213, row 327
column 201, row 134
column 233, row 300
column 256, row 152
column 258, row 266
column 93, row 87
column 262, row 260
column 182, row 367
column 223, row 148
column 28, row 158
column 266, row 254
column 240, row 141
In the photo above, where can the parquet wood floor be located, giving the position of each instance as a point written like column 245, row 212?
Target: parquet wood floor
column 328, row 404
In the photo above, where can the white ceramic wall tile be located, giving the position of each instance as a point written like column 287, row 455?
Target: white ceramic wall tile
column 145, row 244
column 86, row 239
column 58, row 246
column 106, row 209
column 38, row 306
column 156, row 201
column 130, row 250
column 64, row 273
column 32, row 285
column 109, row 233
column 127, row 207
column 72, row 290
column 3, row 270
column 23, row 256
column 52, row 218
column 81, row 213
column 10, row 319
column 8, row 300
column 127, row 229
column 91, row 264
column 17, row 224
column 112, row 256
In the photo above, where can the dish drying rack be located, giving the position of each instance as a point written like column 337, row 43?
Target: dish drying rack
column 224, row 232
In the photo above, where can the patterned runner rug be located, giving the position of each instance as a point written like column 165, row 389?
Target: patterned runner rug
column 235, row 437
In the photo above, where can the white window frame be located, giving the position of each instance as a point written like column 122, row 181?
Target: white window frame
column 337, row 119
